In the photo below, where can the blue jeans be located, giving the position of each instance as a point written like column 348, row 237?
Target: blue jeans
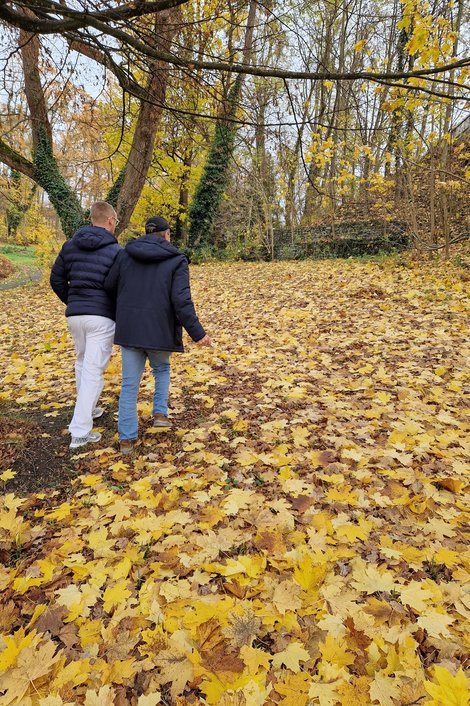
column 133, row 364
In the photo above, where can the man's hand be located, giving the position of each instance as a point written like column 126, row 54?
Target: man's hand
column 206, row 341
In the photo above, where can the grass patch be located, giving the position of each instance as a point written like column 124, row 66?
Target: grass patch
column 19, row 255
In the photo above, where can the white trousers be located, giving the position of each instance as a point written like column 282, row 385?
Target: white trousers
column 93, row 338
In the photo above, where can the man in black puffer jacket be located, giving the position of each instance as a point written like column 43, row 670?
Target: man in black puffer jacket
column 150, row 278
column 77, row 277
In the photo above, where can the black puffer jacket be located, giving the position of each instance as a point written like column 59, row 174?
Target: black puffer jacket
column 78, row 274
column 151, row 280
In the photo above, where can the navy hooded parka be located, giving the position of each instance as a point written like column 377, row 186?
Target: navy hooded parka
column 150, row 279
column 78, row 274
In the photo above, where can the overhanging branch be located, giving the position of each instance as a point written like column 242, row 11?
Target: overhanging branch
column 266, row 72
column 15, row 160
column 71, row 18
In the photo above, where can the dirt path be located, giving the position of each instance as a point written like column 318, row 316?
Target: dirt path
column 23, row 276
column 34, row 446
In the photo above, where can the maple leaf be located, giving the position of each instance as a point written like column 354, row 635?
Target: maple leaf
column 256, row 694
column 324, row 694
column 385, row 690
column 368, row 578
column 335, row 650
column 13, row 646
column 91, row 479
column 247, row 458
column 415, row 596
column 435, row 623
column 215, row 686
column 285, row 597
column 175, row 668
column 453, row 484
column 300, row 436
column 33, row 662
column 150, row 699
column 310, row 570
column 446, row 689
column 412, row 690
column 75, row 673
column 232, row 699
column 76, row 599
column 209, row 635
column 237, row 500
column 173, row 591
column 255, row 658
column 114, row 595
column 355, row 693
column 60, row 512
column 243, row 627
column 103, row 697
column 294, row 688
column 291, row 657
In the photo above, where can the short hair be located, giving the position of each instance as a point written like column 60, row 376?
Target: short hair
column 101, row 211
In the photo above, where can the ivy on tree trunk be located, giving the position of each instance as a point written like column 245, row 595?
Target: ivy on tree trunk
column 61, row 196
column 214, row 180
column 206, row 200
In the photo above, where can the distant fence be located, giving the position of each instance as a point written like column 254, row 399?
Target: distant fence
column 340, row 240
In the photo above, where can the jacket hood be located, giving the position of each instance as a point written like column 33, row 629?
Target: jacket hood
column 151, row 248
column 93, row 238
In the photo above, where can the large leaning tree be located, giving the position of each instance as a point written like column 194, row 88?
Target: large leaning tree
column 158, row 27
column 138, row 44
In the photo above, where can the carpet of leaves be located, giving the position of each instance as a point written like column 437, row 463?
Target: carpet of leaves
column 296, row 539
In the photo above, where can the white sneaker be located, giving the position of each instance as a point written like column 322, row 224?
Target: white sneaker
column 98, row 412
column 92, row 437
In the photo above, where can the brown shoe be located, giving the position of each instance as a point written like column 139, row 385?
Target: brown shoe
column 160, row 420
column 127, row 447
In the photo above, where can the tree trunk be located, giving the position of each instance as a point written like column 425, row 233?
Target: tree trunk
column 46, row 170
column 140, row 155
column 445, row 153
column 321, row 101
column 208, row 195
column 181, row 230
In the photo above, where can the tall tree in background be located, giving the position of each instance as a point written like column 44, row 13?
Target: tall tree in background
column 20, row 197
column 208, row 195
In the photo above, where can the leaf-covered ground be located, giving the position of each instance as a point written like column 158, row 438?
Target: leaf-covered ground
column 297, row 538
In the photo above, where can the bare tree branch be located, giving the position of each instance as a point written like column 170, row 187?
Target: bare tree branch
column 101, row 22
column 424, row 245
column 422, row 89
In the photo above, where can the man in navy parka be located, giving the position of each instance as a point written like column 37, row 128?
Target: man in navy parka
column 77, row 277
column 150, row 279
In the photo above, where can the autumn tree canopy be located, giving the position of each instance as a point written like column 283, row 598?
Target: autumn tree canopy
column 337, row 103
